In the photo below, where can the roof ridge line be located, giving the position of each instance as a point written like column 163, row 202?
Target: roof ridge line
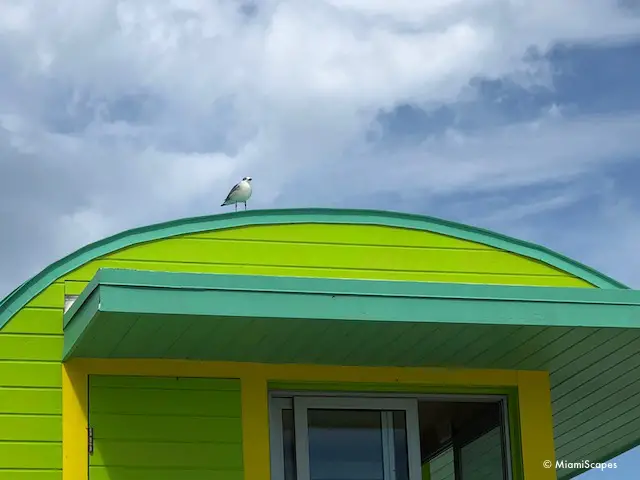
column 20, row 296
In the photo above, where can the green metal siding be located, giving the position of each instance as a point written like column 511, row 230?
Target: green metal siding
column 30, row 390
column 165, row 428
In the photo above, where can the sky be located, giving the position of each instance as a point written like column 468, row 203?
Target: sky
column 521, row 116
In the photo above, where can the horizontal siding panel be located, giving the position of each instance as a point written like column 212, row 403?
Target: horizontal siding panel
column 543, row 342
column 86, row 273
column 164, row 427
column 623, row 386
column 609, row 422
column 153, row 429
column 30, row 455
column 625, row 441
column 597, row 375
column 30, row 390
column 165, row 402
column 30, row 374
column 180, row 383
column 38, row 428
column 341, row 234
column 589, row 447
column 123, row 473
column 512, row 342
column 473, row 348
column 31, row 401
column 331, row 251
column 74, row 288
column 30, row 347
column 576, row 426
column 185, row 250
column 588, row 354
column 25, row 474
column 36, row 320
column 51, row 297
column 214, row 456
column 602, row 404
column 554, row 354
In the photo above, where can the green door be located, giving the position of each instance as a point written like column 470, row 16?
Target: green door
column 146, row 428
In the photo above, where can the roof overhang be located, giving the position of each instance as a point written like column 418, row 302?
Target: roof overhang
column 588, row 339
column 17, row 299
column 143, row 314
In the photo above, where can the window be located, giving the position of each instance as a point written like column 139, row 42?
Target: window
column 317, row 436
column 344, row 438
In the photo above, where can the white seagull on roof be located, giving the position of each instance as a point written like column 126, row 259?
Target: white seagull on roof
column 240, row 193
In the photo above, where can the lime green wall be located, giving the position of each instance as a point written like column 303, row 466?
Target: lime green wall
column 339, row 251
column 144, row 427
column 30, row 390
column 31, row 343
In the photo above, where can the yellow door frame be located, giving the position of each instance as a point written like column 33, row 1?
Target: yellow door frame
column 533, row 401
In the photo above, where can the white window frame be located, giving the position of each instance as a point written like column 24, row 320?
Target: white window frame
column 301, row 406
column 283, row 400
column 275, row 435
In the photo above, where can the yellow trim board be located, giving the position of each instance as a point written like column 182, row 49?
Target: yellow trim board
column 255, row 428
column 533, row 401
column 536, row 425
column 75, row 396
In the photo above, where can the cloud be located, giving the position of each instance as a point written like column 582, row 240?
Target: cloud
column 548, row 150
column 120, row 113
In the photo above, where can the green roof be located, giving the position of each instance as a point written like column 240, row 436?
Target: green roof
column 28, row 290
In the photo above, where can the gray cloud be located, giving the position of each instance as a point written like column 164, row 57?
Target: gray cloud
column 120, row 113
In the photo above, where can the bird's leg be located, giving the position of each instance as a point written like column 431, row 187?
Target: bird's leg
column 236, row 207
column 245, row 205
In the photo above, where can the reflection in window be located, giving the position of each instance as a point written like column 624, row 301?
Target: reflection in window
column 482, row 458
column 441, row 467
column 345, row 444
column 459, row 440
column 349, row 444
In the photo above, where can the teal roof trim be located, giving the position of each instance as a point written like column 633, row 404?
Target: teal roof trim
column 535, row 305
column 17, row 299
column 137, row 293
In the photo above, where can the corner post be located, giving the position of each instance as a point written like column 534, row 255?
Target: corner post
column 75, row 397
column 536, row 426
column 255, row 427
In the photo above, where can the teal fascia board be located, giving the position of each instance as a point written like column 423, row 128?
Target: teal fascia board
column 134, row 292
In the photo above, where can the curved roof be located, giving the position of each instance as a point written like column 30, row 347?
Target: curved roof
column 17, row 299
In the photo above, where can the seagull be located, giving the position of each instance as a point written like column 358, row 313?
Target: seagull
column 240, row 193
